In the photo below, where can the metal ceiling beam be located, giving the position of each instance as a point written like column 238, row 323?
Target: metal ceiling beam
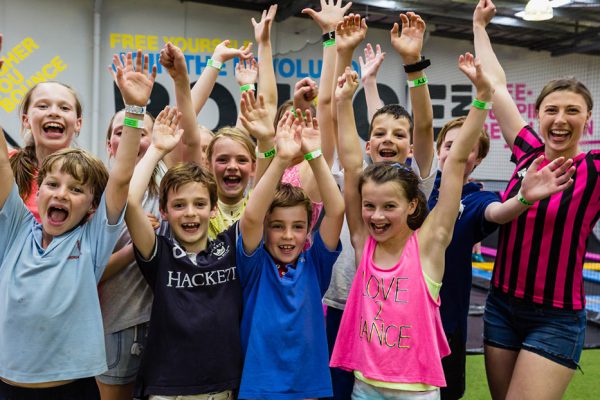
column 549, row 45
column 577, row 49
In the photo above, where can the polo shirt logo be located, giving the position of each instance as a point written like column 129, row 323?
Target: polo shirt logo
column 219, row 249
column 76, row 252
column 178, row 251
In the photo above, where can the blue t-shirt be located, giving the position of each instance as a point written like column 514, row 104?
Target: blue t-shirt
column 50, row 322
column 471, row 227
column 283, row 327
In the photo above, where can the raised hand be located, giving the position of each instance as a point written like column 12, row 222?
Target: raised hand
column 172, row 58
column 555, row 177
column 310, row 134
column 471, row 67
column 373, row 60
column 484, row 12
column 153, row 221
column 410, row 41
column 288, row 138
column 331, row 13
column 165, row 134
column 346, row 85
column 246, row 72
column 350, row 32
column 262, row 29
column 305, row 91
column 255, row 117
column 133, row 80
column 224, row 53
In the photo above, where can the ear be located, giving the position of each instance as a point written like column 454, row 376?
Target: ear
column 78, row 126
column 368, row 147
column 213, row 212
column 163, row 215
column 25, row 121
column 412, row 206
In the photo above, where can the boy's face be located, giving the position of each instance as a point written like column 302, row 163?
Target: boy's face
column 286, row 231
column 188, row 212
column 450, row 138
column 63, row 202
column 390, row 139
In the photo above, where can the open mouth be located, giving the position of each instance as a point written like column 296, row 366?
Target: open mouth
column 231, row 180
column 191, row 227
column 559, row 135
column 57, row 215
column 53, row 128
column 287, row 248
column 380, row 228
column 388, row 153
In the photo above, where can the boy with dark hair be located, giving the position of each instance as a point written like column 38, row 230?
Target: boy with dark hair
column 193, row 343
column 50, row 318
column 283, row 330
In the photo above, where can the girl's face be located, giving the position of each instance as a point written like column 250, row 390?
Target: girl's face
column 563, row 117
column 232, row 167
column 52, row 117
column 117, row 128
column 385, row 209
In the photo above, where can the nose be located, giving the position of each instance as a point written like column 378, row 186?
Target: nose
column 560, row 116
column 54, row 109
column 377, row 214
column 189, row 210
column 287, row 233
column 60, row 192
column 232, row 164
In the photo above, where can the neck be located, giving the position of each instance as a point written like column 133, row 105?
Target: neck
column 41, row 154
column 388, row 253
column 46, row 239
column 553, row 155
column 231, row 201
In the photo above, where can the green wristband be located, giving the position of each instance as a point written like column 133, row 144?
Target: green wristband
column 215, row 64
column 134, row 123
column 245, row 88
column 482, row 105
column 295, row 114
column 313, row 154
column 329, row 43
column 418, row 82
column 521, row 198
column 266, row 154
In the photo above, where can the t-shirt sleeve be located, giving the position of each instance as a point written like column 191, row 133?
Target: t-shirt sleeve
column 526, row 142
column 101, row 236
column 485, row 227
column 323, row 260
column 249, row 265
column 149, row 267
column 14, row 217
column 426, row 184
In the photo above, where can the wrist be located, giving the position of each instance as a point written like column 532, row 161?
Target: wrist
column 523, row 200
column 219, row 58
column 484, row 95
column 311, row 155
column 411, row 59
column 154, row 153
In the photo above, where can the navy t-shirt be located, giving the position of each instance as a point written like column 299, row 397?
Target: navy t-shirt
column 471, row 227
column 194, row 339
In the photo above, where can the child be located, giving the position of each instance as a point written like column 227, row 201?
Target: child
column 391, row 335
column 480, row 214
column 50, row 318
column 193, row 345
column 283, row 332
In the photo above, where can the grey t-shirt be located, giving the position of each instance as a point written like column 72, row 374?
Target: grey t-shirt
column 344, row 268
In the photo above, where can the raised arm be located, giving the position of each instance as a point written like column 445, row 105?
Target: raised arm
column 246, row 76
column 288, row 147
column 409, row 45
column 437, row 230
column 267, row 86
column 368, row 75
column 204, row 85
column 505, row 109
column 331, row 13
column 333, row 203
column 5, row 170
column 135, row 85
column 537, row 184
column 351, row 157
column 190, row 147
column 165, row 137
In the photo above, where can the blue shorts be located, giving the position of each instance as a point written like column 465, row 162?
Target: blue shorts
column 553, row 333
column 124, row 354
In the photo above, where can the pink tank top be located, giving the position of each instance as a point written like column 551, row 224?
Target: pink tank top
column 391, row 329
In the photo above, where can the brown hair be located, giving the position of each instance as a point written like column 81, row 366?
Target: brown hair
column 285, row 106
column 234, row 134
column 152, row 185
column 383, row 172
column 484, row 138
column 291, row 196
column 82, row 166
column 182, row 174
column 569, row 84
column 24, row 161
column 397, row 111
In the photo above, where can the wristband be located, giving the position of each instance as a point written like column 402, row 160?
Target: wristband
column 215, row 64
column 245, row 88
column 138, row 110
column 522, row 199
column 328, row 36
column 313, row 154
column 295, row 114
column 266, row 154
column 482, row 105
column 329, row 43
column 418, row 66
column 418, row 82
column 134, row 123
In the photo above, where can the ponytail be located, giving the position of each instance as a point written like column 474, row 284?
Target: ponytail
column 24, row 166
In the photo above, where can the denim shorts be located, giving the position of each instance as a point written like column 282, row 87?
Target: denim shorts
column 553, row 333
column 123, row 354
column 364, row 391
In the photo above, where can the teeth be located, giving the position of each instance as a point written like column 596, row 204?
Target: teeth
column 559, row 133
column 190, row 225
column 288, row 247
column 52, row 125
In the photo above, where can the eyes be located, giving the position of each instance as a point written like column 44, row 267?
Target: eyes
column 242, row 160
column 63, row 107
column 180, row 205
column 395, row 134
column 277, row 226
column 571, row 110
column 386, row 207
column 76, row 189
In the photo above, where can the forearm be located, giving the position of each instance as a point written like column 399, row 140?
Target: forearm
column 142, row 174
column 374, row 102
column 5, row 171
column 267, row 85
column 118, row 261
column 263, row 194
column 324, row 105
column 262, row 164
column 204, row 86
column 192, row 149
column 423, row 124
column 350, row 152
column 485, row 52
column 502, row 213
column 333, row 202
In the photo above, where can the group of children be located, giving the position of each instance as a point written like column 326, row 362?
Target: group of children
column 198, row 266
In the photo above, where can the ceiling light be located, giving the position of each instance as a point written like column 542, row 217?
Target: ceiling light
column 538, row 10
